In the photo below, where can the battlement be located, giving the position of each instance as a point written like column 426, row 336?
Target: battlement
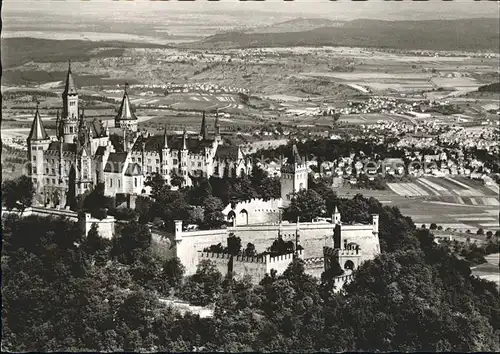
column 314, row 260
column 343, row 279
column 262, row 259
column 292, row 168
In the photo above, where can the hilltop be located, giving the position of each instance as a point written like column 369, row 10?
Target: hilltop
column 297, row 25
column 461, row 35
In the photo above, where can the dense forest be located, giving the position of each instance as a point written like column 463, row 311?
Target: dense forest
column 65, row 292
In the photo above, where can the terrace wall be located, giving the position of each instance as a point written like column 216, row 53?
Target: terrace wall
column 256, row 267
column 312, row 237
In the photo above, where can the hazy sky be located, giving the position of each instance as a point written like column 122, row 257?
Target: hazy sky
column 341, row 9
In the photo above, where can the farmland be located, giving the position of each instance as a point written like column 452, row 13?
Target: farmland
column 455, row 203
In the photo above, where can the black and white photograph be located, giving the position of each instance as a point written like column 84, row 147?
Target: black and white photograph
column 294, row 176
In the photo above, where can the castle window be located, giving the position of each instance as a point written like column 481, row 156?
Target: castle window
column 133, row 159
column 34, row 169
column 71, row 130
column 138, row 159
column 157, row 170
column 135, row 181
column 47, row 171
column 53, row 181
column 34, row 158
column 111, row 182
column 157, row 161
column 33, row 148
column 118, row 183
column 40, row 148
column 175, row 162
column 199, row 164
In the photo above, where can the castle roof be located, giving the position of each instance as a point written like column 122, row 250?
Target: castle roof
column 70, row 87
column 155, row 143
column 125, row 112
column 56, row 146
column 227, row 152
column 100, row 151
column 116, row 162
column 97, row 129
column 133, row 169
column 295, row 158
column 37, row 130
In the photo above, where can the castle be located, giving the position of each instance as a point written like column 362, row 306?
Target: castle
column 84, row 153
column 322, row 243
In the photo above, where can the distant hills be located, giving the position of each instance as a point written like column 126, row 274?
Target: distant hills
column 494, row 87
column 297, row 25
column 463, row 34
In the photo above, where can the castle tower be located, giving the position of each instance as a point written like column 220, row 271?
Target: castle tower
column 38, row 141
column 204, row 128
column 293, row 176
column 126, row 118
column 336, row 217
column 70, row 108
column 183, row 158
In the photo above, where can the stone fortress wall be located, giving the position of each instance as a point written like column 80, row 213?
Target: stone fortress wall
column 256, row 267
column 312, row 237
column 254, row 211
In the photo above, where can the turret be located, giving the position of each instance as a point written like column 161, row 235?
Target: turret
column 126, row 118
column 178, row 230
column 375, row 221
column 336, row 217
column 70, row 108
column 38, row 141
column 293, row 176
column 183, row 157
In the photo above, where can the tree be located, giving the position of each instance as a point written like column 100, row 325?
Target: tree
column 213, row 216
column 233, row 244
column 250, row 250
column 156, row 182
column 18, row 193
column 176, row 180
column 203, row 287
column 173, row 272
column 130, row 241
column 306, row 204
column 489, row 235
column 201, row 191
column 480, row 231
column 433, row 226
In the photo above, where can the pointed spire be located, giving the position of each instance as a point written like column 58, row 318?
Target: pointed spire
column 125, row 112
column 165, row 138
column 204, row 129
column 70, row 87
column 295, row 156
column 37, row 130
column 59, row 132
column 184, row 140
